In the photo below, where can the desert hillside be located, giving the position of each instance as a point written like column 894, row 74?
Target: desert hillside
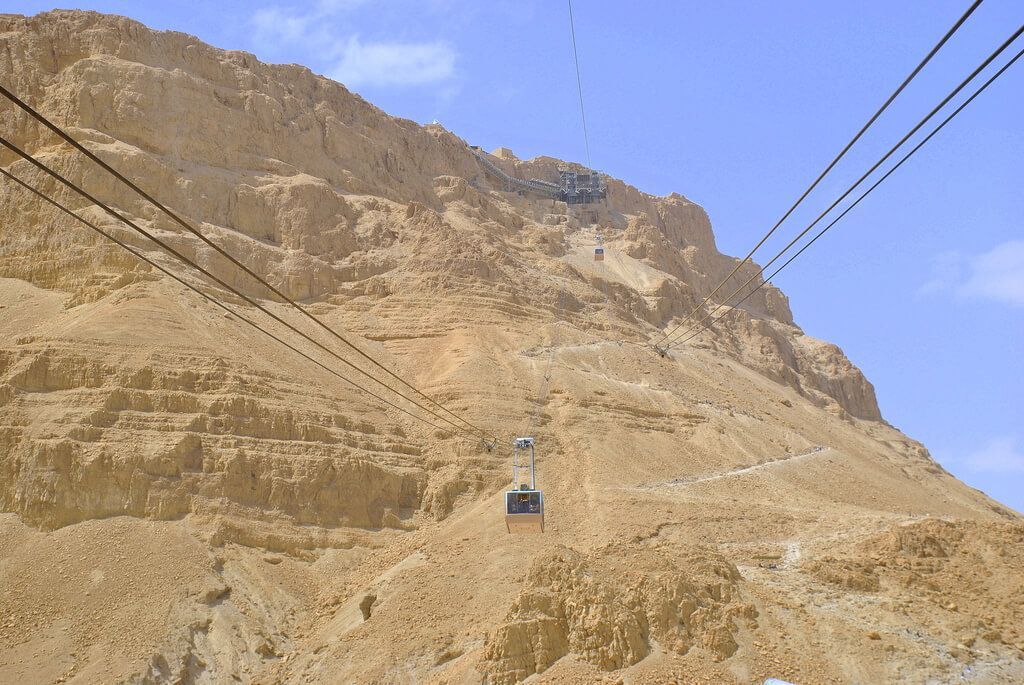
column 185, row 501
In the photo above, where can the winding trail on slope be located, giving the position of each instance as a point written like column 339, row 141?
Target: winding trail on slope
column 814, row 451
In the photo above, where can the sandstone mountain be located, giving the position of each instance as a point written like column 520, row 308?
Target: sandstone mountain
column 185, row 501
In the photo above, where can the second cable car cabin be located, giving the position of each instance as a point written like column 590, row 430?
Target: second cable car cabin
column 524, row 504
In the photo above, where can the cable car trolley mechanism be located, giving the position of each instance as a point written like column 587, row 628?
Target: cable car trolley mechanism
column 524, row 503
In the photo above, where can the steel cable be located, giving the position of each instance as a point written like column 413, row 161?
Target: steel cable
column 196, row 232
column 579, row 85
column 662, row 341
column 117, row 215
column 852, row 205
column 206, row 296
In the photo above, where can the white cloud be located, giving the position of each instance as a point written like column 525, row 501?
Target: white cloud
column 1001, row 455
column 348, row 58
column 274, row 26
column 998, row 274
column 994, row 275
column 394, row 64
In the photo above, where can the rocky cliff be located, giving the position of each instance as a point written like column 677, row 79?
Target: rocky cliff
column 316, row 535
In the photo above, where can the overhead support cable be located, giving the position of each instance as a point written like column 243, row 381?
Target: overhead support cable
column 181, row 257
column 846, row 211
column 661, row 343
column 579, row 85
column 229, row 310
column 196, row 232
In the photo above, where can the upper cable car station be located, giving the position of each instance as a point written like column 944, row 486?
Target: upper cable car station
column 574, row 187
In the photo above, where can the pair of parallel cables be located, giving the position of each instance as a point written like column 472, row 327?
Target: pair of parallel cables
column 671, row 339
column 454, row 423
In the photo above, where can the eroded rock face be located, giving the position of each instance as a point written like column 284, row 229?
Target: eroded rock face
column 816, row 369
column 374, row 218
column 156, row 452
column 606, row 612
column 959, row 567
column 160, row 443
column 315, row 188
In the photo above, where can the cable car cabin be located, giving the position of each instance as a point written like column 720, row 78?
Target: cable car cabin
column 524, row 505
column 598, row 254
column 524, row 511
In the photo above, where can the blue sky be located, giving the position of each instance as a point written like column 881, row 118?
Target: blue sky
column 738, row 106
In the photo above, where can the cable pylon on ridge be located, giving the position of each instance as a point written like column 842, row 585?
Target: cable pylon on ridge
column 846, row 211
column 190, row 286
column 117, row 215
column 660, row 344
column 196, row 232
